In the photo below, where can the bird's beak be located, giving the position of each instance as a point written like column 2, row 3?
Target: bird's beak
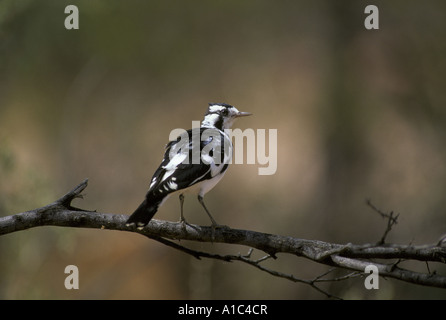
column 243, row 114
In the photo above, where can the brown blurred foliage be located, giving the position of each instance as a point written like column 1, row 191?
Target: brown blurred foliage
column 360, row 114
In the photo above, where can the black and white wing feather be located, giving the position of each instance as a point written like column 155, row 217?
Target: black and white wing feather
column 184, row 165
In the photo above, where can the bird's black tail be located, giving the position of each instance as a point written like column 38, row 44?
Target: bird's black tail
column 144, row 213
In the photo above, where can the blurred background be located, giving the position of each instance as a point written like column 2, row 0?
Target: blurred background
column 359, row 114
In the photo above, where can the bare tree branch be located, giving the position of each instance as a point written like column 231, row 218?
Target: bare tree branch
column 345, row 256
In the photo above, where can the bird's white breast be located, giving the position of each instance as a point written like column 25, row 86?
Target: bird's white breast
column 203, row 187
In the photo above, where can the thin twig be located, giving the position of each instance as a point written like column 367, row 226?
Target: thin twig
column 391, row 220
column 350, row 275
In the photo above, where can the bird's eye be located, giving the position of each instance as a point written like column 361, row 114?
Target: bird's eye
column 224, row 112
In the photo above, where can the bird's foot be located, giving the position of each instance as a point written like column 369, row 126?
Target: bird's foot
column 216, row 226
column 184, row 223
column 219, row 226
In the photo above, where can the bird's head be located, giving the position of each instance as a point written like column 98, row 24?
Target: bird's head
column 222, row 116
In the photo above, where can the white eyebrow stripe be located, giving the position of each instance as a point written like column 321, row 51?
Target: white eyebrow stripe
column 215, row 108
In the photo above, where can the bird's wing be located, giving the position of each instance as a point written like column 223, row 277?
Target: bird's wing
column 181, row 167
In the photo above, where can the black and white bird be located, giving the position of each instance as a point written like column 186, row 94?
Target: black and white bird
column 193, row 163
